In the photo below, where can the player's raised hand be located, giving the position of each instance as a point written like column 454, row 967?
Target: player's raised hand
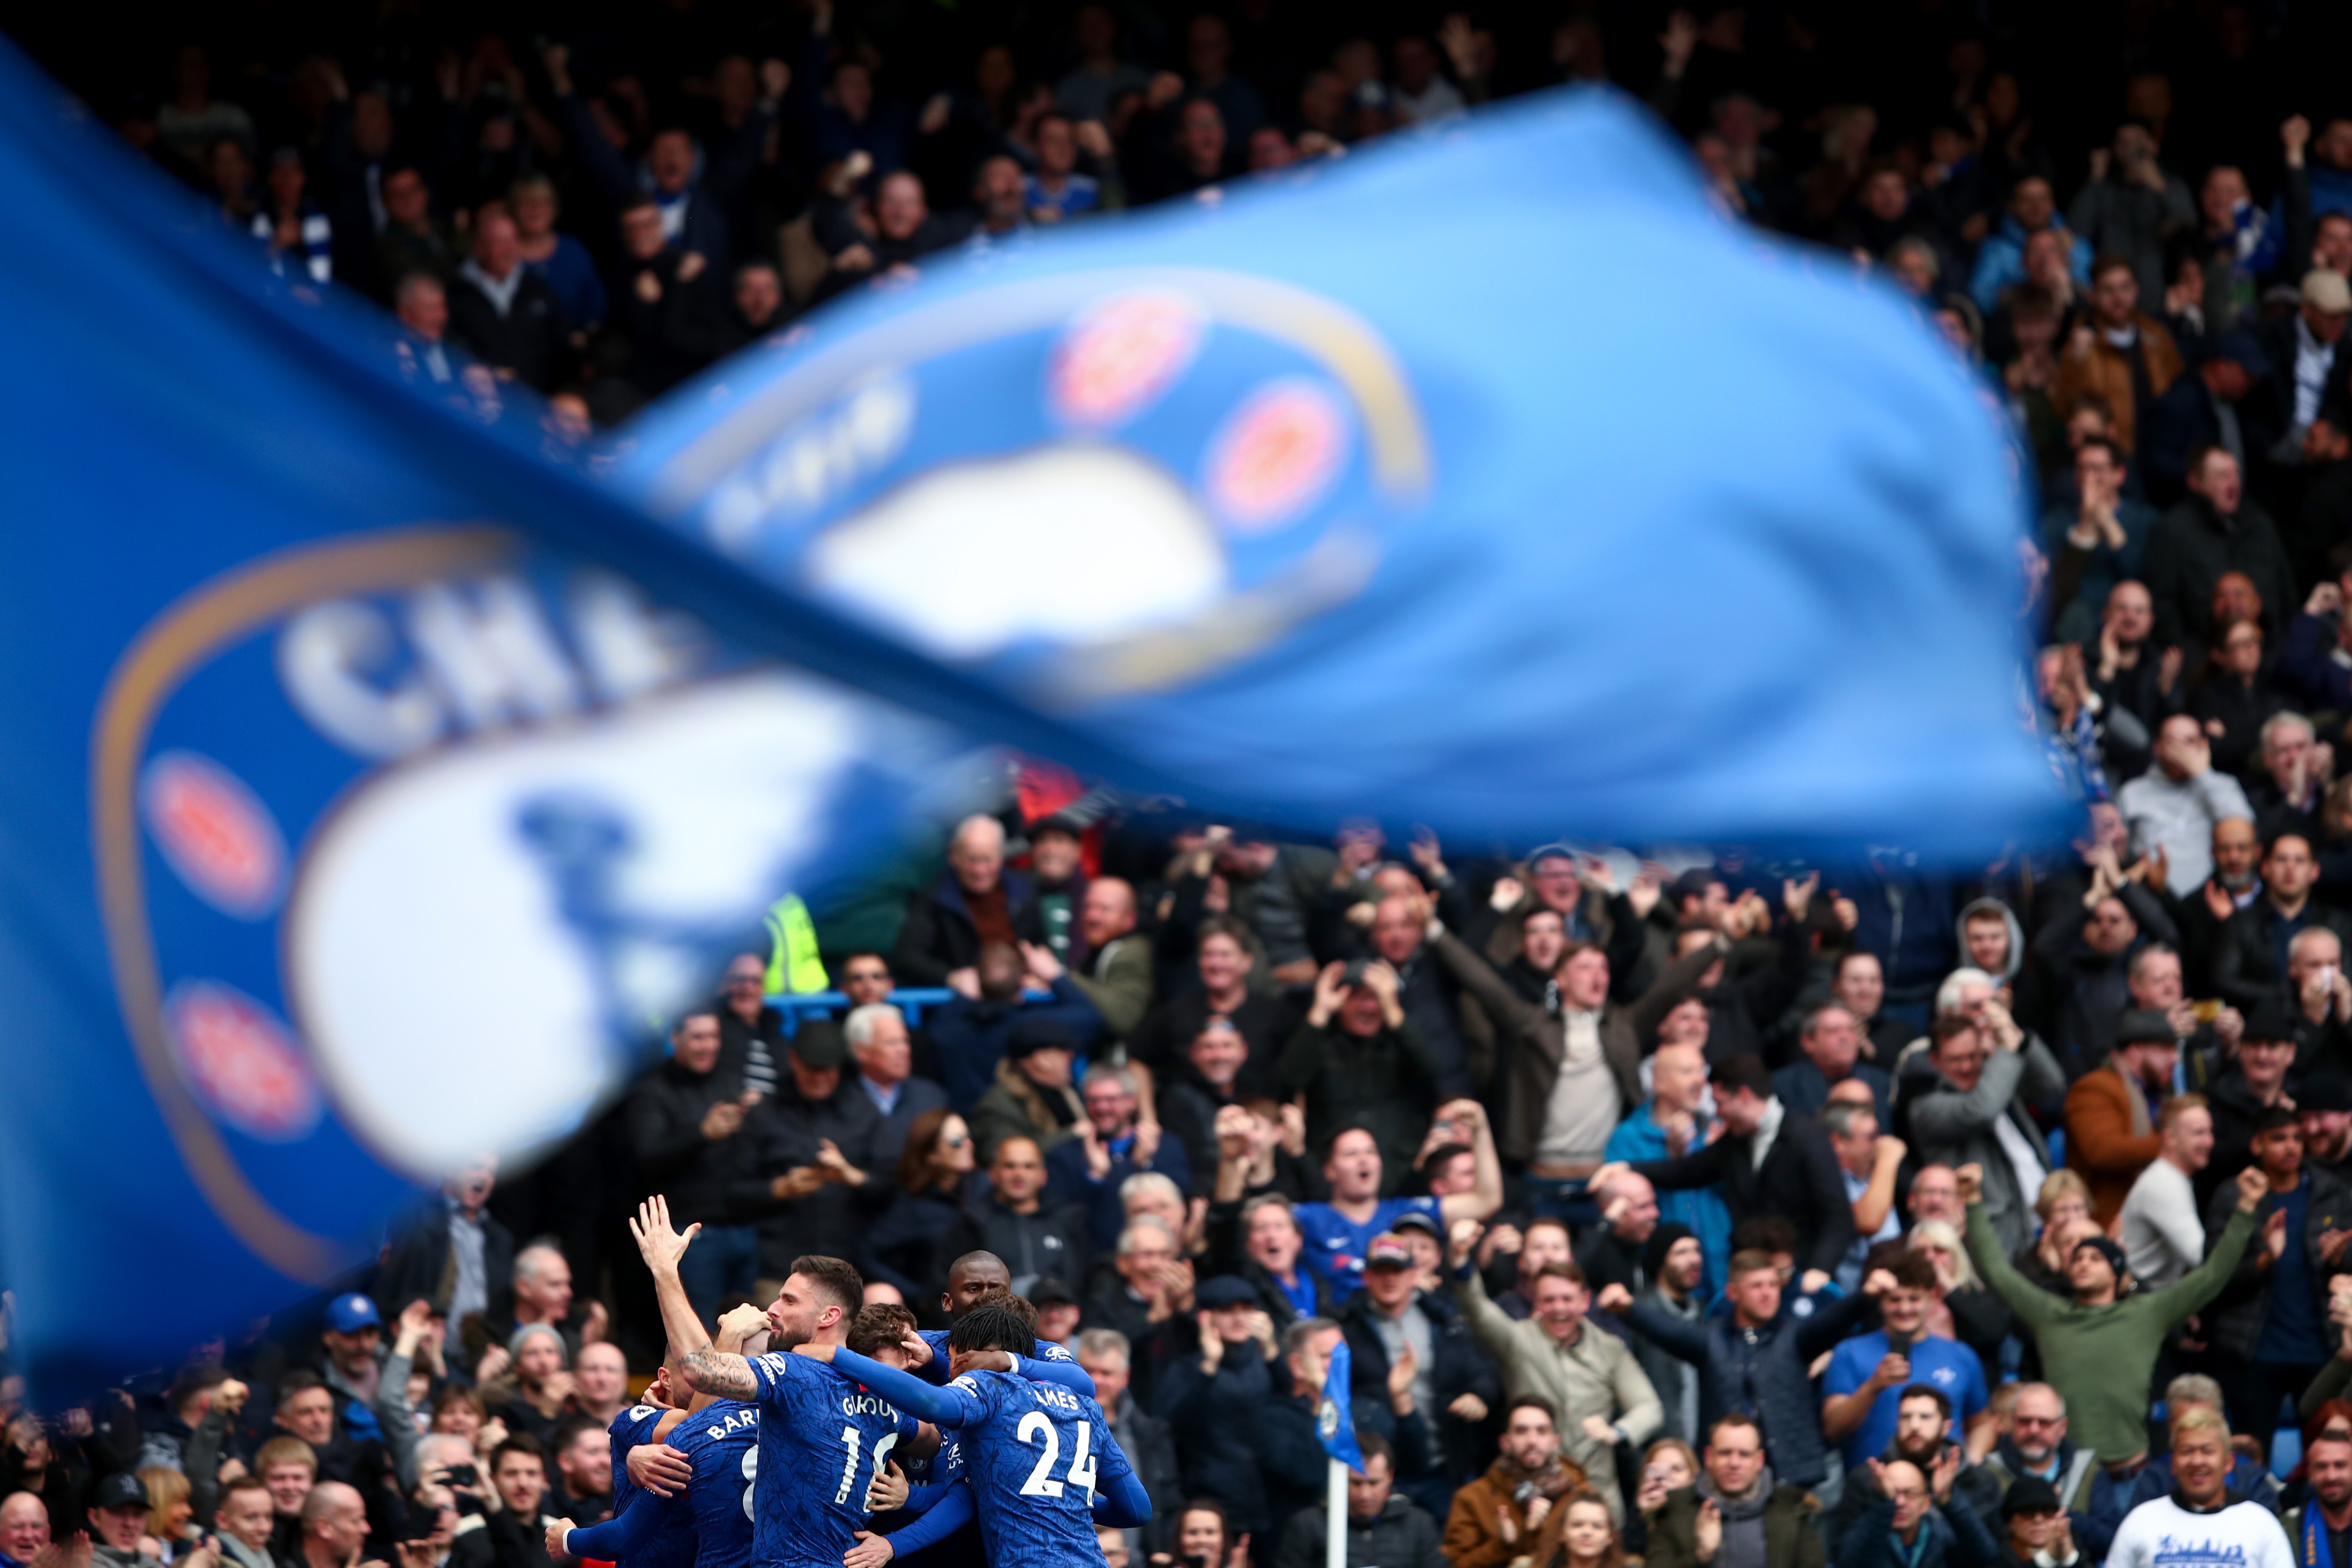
column 887, row 1494
column 660, row 1244
column 872, row 1551
column 556, row 1532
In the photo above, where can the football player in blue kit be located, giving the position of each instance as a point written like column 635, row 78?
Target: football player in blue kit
column 645, row 1424
column 973, row 1279
column 1038, row 1461
column 720, row 1441
column 821, row 1438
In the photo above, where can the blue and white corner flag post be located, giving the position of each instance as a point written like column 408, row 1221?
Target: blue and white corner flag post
column 1336, row 1425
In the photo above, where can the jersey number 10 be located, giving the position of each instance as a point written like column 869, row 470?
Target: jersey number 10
column 1081, row 1473
column 849, row 1440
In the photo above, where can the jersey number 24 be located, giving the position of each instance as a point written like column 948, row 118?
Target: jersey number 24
column 1037, row 1427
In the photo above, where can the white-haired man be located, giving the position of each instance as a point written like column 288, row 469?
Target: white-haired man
column 885, row 1050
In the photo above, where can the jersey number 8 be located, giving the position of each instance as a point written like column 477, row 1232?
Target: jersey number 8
column 1036, row 1425
column 750, row 1479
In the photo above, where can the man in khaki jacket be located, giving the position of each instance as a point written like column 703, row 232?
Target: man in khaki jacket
column 1590, row 1377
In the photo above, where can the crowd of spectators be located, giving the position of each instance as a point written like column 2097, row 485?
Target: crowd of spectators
column 1712, row 1212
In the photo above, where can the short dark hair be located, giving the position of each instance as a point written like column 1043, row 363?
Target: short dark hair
column 1531, row 1402
column 2107, row 443
column 1952, row 1025
column 1571, row 1271
column 882, row 1324
column 300, row 1381
column 1912, row 1271
column 2108, row 261
column 1912, row 1391
column 1735, row 1418
column 1764, row 1233
column 569, row 1429
column 992, row 1327
column 835, row 1278
column 1743, row 1069
column 1332, row 1143
column 1747, row 1263
column 1372, row 1446
column 522, row 1442
column 1225, row 926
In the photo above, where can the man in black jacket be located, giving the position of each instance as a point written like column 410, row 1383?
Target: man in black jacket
column 813, row 1180
column 505, row 314
column 2086, row 952
column 2250, row 963
column 1013, row 1220
column 1144, row 1438
column 452, row 1253
column 751, row 1033
column 975, row 901
column 1797, row 1178
column 1382, row 1529
column 1453, row 1391
column 686, row 1124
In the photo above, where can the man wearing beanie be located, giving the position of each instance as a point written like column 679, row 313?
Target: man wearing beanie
column 2035, row 1531
column 1674, row 1264
column 2099, row 1343
column 1031, row 1097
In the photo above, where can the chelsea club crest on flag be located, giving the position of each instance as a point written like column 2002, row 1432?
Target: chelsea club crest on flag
column 1562, row 501
column 376, row 788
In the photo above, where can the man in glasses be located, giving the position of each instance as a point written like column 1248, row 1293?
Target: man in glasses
column 2037, row 1446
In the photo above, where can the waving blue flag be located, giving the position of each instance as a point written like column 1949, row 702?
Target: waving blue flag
column 1491, row 478
column 371, row 784
column 1335, row 1421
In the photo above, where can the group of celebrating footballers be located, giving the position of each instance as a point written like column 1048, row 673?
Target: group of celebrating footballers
column 773, row 1441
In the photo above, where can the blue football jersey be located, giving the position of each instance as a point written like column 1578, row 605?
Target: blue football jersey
column 1034, row 1461
column 722, row 1442
column 673, row 1546
column 821, row 1436
column 631, row 1428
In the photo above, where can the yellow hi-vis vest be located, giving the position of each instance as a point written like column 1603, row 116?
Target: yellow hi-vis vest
column 792, row 962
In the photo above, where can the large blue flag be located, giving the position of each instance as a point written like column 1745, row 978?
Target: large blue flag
column 371, row 784
column 1489, row 479
column 1335, row 1421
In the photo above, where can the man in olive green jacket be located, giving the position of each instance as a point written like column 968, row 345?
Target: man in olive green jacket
column 2099, row 1347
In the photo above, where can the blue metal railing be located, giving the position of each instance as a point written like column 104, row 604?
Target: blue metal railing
column 913, row 1001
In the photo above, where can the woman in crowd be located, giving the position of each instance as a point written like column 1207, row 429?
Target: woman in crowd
column 1579, row 1533
column 933, row 1170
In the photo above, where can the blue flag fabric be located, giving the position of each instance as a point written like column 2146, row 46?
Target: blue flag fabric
column 370, row 783
column 1489, row 480
column 1335, row 1421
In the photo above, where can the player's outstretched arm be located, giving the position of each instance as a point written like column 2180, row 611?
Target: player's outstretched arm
column 616, row 1539
column 950, row 1512
column 946, row 1407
